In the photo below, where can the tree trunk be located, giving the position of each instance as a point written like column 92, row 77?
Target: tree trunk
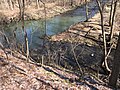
column 37, row 4
column 45, row 16
column 20, row 8
column 112, row 23
column 116, row 66
column 104, row 60
column 86, row 7
column 111, row 10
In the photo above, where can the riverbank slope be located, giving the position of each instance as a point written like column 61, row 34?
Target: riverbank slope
column 32, row 12
column 90, row 30
column 18, row 74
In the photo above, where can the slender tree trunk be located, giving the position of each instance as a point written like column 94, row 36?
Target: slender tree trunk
column 23, row 23
column 116, row 66
column 86, row 7
column 111, row 10
column 112, row 23
column 37, row 4
column 45, row 16
column 20, row 8
column 104, row 61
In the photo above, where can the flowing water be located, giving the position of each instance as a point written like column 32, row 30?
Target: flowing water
column 36, row 29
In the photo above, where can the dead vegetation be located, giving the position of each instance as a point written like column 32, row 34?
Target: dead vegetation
column 18, row 74
column 79, row 49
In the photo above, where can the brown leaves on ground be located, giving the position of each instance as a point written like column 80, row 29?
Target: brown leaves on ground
column 89, row 30
column 17, row 74
column 32, row 13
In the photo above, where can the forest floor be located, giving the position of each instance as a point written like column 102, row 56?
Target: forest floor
column 33, row 13
column 18, row 74
column 90, row 30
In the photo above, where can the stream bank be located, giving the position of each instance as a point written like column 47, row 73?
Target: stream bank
column 18, row 74
column 90, row 34
column 22, row 72
column 55, row 50
column 8, row 16
column 34, row 13
column 92, row 26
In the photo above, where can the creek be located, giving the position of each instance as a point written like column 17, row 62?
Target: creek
column 58, row 24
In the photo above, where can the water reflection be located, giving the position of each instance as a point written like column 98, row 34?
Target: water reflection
column 55, row 25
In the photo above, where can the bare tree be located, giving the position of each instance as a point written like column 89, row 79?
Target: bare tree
column 86, row 7
column 111, row 12
column 22, row 10
column 116, row 66
column 45, row 15
column 37, row 4
column 111, row 22
column 104, row 60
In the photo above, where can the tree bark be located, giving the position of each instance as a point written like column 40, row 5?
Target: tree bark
column 112, row 21
column 37, row 4
column 20, row 8
column 104, row 60
column 86, row 7
column 111, row 10
column 116, row 66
